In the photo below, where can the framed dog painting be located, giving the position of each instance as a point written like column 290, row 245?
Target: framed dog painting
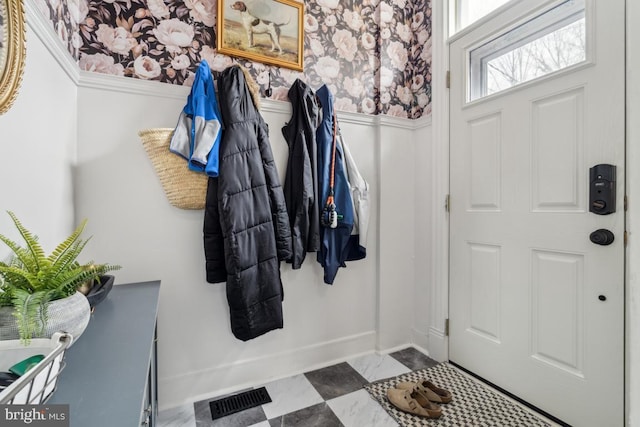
column 268, row 31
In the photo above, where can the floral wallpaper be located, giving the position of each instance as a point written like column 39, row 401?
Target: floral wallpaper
column 375, row 55
column 404, row 76
column 65, row 15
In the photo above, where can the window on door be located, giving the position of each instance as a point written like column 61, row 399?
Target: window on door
column 545, row 44
column 466, row 12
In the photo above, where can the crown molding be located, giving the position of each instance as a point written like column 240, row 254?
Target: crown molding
column 403, row 122
column 356, row 118
column 88, row 79
column 421, row 122
column 284, row 107
column 111, row 83
column 43, row 30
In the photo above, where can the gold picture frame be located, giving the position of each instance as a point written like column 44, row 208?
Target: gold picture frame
column 12, row 51
column 247, row 29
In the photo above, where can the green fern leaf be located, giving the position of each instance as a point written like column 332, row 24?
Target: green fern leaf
column 19, row 278
column 18, row 251
column 29, row 321
column 32, row 241
column 70, row 280
column 68, row 244
column 68, row 258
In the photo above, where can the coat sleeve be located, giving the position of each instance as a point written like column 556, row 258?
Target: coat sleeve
column 299, row 196
column 213, row 238
column 359, row 195
column 279, row 214
column 181, row 139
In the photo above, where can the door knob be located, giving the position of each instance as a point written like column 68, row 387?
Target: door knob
column 602, row 237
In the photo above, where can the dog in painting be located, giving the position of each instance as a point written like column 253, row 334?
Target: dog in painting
column 254, row 25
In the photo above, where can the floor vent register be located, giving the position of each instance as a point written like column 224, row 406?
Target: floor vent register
column 238, row 402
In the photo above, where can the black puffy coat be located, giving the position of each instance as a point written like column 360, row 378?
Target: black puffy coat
column 301, row 179
column 246, row 228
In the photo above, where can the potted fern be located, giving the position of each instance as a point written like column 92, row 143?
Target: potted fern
column 38, row 292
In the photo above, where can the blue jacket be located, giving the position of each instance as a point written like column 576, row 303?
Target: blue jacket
column 335, row 245
column 199, row 129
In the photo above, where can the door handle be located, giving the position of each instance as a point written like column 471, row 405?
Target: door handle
column 602, row 237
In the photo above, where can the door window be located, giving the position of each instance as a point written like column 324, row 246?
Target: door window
column 545, row 44
column 466, row 12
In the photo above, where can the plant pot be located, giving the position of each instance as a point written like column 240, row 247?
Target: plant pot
column 69, row 314
column 100, row 290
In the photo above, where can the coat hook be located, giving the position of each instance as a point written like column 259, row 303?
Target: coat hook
column 268, row 92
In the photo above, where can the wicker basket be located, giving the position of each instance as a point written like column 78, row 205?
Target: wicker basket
column 184, row 188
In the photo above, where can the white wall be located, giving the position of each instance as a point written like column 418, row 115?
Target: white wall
column 396, row 233
column 37, row 149
column 423, row 232
column 134, row 225
column 85, row 160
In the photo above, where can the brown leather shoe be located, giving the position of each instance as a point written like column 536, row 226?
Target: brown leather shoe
column 413, row 402
column 428, row 390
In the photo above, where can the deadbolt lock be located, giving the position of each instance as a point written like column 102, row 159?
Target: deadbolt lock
column 602, row 189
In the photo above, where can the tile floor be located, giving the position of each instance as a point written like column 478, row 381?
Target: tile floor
column 328, row 397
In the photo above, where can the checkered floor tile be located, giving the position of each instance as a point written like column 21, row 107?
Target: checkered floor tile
column 335, row 396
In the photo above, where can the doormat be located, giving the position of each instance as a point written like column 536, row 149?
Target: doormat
column 238, row 402
column 473, row 404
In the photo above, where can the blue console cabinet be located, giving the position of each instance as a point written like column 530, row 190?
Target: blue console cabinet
column 110, row 378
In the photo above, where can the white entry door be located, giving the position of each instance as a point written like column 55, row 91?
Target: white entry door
column 537, row 308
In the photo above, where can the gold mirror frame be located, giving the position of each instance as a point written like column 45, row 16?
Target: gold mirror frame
column 12, row 52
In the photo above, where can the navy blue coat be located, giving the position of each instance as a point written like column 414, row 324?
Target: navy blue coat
column 335, row 242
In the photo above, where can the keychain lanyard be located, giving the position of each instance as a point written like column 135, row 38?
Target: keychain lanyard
column 329, row 217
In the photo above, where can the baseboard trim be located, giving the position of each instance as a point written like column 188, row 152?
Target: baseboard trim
column 438, row 345
column 396, row 348
column 242, row 374
column 419, row 339
column 422, row 350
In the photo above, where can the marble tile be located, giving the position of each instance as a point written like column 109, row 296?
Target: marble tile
column 336, row 380
column 374, row 367
column 319, row 415
column 413, row 359
column 290, row 394
column 203, row 413
column 244, row 418
column 181, row 416
column 359, row 409
column 261, row 424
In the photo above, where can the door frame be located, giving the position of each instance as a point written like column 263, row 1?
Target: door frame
column 438, row 342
